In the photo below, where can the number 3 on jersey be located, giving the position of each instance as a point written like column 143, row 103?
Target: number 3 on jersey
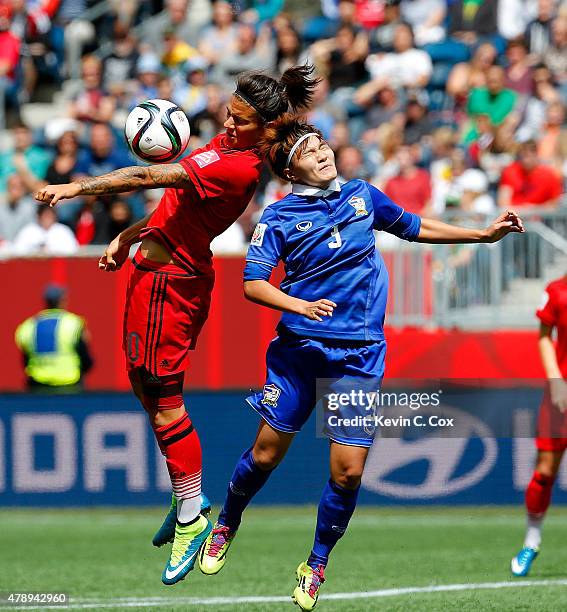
column 338, row 241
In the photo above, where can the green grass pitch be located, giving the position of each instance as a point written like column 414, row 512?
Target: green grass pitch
column 101, row 556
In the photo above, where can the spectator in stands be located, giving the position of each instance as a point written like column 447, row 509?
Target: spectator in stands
column 538, row 32
column 514, row 16
column 321, row 115
column 493, row 101
column 474, row 21
column 92, row 103
column 10, row 46
column 17, row 210
column 426, row 17
column 448, row 163
column 54, row 345
column 385, row 160
column 466, row 76
column 148, row 70
column 552, row 140
column 411, row 188
column 176, row 52
column 417, row 120
column 519, row 75
column 288, row 49
column 556, row 55
column 382, row 38
column 341, row 60
column 36, row 158
column 257, row 11
column 45, row 236
column 192, row 96
column 475, row 197
column 101, row 221
column 527, row 182
column 405, row 67
column 175, row 19
column 209, row 122
column 253, row 52
column 120, row 65
column 219, row 39
column 496, row 152
column 103, row 155
column 535, row 110
column 350, row 163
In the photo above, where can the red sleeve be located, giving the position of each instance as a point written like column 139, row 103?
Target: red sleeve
column 209, row 171
column 547, row 312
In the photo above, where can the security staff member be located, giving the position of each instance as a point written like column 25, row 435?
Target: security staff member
column 54, row 345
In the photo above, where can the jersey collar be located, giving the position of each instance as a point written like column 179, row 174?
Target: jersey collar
column 309, row 190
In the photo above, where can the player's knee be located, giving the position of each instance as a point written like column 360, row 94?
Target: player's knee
column 267, row 457
column 548, row 463
column 158, row 393
column 348, row 477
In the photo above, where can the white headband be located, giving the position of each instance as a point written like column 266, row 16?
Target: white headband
column 294, row 148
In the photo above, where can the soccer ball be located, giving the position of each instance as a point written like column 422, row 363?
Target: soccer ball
column 157, row 131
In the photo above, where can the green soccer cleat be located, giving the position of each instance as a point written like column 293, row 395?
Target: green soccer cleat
column 166, row 532
column 307, row 591
column 188, row 540
column 212, row 556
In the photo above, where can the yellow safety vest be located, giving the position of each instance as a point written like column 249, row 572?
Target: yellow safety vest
column 49, row 339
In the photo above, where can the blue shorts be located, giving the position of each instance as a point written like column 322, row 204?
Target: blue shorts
column 303, row 371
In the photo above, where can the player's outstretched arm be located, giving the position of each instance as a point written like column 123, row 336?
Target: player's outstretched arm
column 262, row 292
column 119, row 181
column 437, row 232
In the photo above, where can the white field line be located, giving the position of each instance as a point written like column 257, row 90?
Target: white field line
column 148, row 602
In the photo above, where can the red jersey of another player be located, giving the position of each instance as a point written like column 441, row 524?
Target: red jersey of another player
column 186, row 220
column 553, row 312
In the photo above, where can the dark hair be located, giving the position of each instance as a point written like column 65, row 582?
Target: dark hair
column 279, row 139
column 271, row 98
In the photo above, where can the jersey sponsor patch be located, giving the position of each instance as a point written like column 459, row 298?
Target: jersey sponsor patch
column 359, row 205
column 205, row 158
column 258, row 235
column 304, row 226
column 271, row 395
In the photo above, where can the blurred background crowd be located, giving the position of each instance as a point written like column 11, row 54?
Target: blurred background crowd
column 444, row 105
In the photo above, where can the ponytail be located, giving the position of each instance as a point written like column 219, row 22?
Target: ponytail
column 271, row 98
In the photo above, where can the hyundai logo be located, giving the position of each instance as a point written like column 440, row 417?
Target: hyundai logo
column 443, row 456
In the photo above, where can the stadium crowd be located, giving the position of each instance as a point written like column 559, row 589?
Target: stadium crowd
column 455, row 104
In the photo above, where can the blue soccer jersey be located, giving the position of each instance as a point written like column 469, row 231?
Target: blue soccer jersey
column 327, row 244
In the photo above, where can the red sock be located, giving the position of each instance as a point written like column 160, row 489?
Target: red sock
column 180, row 444
column 538, row 494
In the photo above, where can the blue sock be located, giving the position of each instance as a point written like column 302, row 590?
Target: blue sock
column 247, row 479
column 335, row 509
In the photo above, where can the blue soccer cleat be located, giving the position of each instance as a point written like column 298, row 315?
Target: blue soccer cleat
column 166, row 533
column 522, row 562
column 188, row 540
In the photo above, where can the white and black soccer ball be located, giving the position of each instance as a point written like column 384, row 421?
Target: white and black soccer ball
column 157, row 131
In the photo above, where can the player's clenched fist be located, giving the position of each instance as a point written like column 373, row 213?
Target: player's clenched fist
column 51, row 194
column 318, row 309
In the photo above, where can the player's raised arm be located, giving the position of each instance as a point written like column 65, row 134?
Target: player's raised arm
column 119, row 181
column 437, row 232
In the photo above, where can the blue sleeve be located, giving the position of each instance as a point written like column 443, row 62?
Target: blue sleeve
column 257, row 271
column 391, row 218
column 267, row 243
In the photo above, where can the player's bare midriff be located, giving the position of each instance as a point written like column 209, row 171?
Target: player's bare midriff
column 155, row 252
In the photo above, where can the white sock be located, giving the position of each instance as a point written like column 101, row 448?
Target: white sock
column 188, row 509
column 533, row 532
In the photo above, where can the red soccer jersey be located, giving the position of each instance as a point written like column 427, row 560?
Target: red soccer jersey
column 186, row 220
column 537, row 186
column 553, row 312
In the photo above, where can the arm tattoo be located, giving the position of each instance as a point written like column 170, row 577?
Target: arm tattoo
column 135, row 177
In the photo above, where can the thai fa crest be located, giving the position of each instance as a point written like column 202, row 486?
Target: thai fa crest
column 271, row 395
column 359, row 205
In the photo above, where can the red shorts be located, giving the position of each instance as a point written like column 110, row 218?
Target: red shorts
column 166, row 308
column 551, row 426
